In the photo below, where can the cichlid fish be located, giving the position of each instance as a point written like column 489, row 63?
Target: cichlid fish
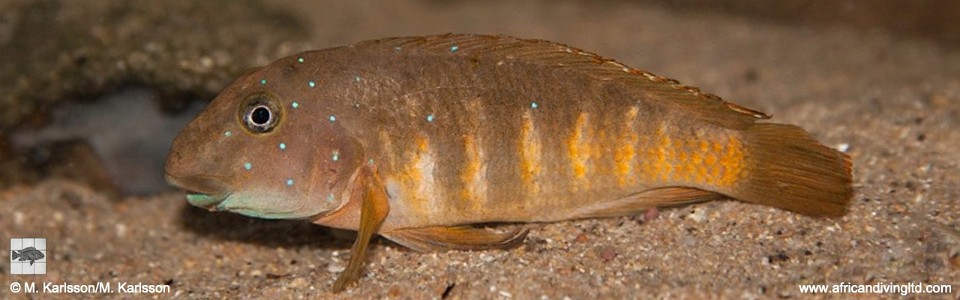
column 25, row 254
column 417, row 138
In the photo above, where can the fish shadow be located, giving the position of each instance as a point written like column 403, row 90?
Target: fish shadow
column 226, row 226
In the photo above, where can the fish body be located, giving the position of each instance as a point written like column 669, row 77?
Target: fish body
column 28, row 253
column 429, row 134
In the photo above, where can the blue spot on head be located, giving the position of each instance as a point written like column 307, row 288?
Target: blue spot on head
column 336, row 155
column 454, row 48
column 289, row 182
column 300, row 60
column 333, row 118
column 330, row 197
column 430, row 118
column 397, row 48
column 356, row 78
column 263, row 81
column 283, row 146
column 312, row 83
column 295, row 104
column 227, row 133
column 247, row 166
column 534, row 105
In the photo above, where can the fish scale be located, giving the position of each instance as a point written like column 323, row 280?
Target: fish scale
column 418, row 138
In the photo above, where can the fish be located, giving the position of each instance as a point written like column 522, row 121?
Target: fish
column 420, row 139
column 28, row 253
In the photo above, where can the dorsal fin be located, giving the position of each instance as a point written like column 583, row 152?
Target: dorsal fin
column 545, row 53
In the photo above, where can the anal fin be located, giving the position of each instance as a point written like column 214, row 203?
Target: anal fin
column 455, row 238
column 659, row 197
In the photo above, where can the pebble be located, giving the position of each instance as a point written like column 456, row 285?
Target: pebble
column 297, row 283
column 651, row 214
column 608, row 253
column 843, row 147
column 121, row 230
column 698, row 215
column 582, row 238
column 898, row 208
column 18, row 218
column 335, row 268
column 487, row 258
column 395, row 292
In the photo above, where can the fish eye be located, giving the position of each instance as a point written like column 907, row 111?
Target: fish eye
column 260, row 114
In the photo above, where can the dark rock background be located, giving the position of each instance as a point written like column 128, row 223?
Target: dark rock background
column 878, row 78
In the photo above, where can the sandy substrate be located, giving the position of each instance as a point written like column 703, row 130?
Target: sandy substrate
column 893, row 103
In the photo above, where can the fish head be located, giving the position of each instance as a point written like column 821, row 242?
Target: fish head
column 261, row 151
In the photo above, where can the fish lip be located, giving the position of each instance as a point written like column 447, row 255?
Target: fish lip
column 206, row 201
column 202, row 191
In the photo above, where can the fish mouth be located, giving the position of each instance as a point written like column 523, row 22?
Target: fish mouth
column 206, row 201
column 202, row 191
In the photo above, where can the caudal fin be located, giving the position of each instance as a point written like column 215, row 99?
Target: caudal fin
column 15, row 254
column 791, row 170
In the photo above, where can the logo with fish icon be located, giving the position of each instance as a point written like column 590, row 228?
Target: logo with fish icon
column 28, row 256
column 28, row 253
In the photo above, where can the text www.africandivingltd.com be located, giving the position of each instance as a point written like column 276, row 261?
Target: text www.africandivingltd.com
column 876, row 288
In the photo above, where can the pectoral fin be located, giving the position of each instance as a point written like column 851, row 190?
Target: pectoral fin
column 374, row 209
column 455, row 238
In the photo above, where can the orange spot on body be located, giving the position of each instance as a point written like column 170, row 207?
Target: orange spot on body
column 732, row 162
column 665, row 155
column 472, row 173
column 709, row 163
column 626, row 151
column 530, row 166
column 716, row 148
column 680, row 163
column 699, row 161
column 578, row 151
column 647, row 163
column 624, row 158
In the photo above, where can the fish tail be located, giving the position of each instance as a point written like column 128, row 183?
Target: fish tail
column 791, row 170
column 15, row 254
